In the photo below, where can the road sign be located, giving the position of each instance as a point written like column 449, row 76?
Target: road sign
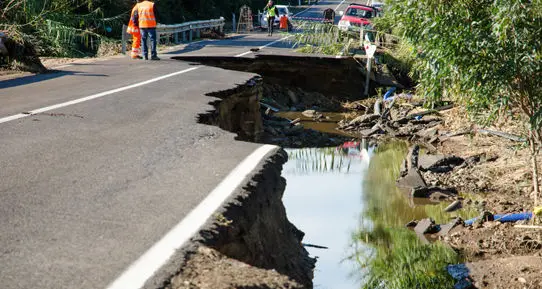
column 370, row 50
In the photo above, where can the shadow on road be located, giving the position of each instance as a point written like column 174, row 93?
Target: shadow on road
column 248, row 40
column 52, row 74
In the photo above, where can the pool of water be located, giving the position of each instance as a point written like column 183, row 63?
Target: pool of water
column 328, row 124
column 323, row 198
column 346, row 199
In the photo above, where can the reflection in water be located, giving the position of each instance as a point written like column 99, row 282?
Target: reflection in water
column 323, row 198
column 398, row 259
column 346, row 199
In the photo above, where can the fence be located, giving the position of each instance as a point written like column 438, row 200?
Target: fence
column 184, row 31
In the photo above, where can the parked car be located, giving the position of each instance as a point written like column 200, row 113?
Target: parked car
column 283, row 10
column 355, row 16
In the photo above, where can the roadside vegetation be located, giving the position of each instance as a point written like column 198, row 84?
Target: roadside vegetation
column 83, row 28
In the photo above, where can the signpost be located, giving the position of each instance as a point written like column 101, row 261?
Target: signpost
column 370, row 50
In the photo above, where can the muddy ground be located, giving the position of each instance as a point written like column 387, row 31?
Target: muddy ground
column 493, row 176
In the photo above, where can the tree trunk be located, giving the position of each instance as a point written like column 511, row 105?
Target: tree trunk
column 534, row 167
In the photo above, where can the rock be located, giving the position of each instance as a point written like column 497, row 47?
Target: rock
column 427, row 192
column 445, row 229
column 412, row 157
column 404, row 169
column 428, row 133
column 369, row 132
column 453, row 206
column 412, row 223
column 295, row 121
column 439, row 163
column 367, row 118
column 522, row 280
column 412, row 180
column 426, row 226
column 311, row 113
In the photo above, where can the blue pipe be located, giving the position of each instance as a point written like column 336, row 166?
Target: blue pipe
column 388, row 94
column 505, row 218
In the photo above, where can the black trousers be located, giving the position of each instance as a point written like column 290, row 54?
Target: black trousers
column 270, row 22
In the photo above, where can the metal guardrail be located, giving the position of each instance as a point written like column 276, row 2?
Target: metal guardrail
column 184, row 31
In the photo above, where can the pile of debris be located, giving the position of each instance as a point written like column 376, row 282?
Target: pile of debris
column 398, row 122
column 292, row 134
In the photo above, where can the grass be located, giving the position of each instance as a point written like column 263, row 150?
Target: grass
column 399, row 260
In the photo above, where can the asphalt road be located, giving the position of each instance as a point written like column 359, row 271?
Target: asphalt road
column 88, row 186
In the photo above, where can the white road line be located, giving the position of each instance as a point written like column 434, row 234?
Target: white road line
column 262, row 47
column 243, row 54
column 62, row 66
column 109, row 92
column 339, row 5
column 94, row 96
column 157, row 256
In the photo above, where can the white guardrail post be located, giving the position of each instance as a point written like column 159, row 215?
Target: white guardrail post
column 175, row 29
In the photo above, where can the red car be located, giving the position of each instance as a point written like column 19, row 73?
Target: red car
column 355, row 16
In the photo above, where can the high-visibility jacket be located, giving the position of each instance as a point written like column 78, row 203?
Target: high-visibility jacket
column 145, row 11
column 133, row 25
column 272, row 11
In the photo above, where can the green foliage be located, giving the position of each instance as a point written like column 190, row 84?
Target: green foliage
column 400, row 261
column 319, row 38
column 59, row 27
column 77, row 27
column 485, row 53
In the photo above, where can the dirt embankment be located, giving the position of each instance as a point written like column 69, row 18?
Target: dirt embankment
column 251, row 243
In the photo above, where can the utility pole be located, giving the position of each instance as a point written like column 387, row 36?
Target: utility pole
column 233, row 20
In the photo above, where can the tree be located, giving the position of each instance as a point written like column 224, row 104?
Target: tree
column 486, row 53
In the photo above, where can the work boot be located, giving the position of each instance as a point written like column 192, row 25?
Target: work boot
column 137, row 57
column 155, row 58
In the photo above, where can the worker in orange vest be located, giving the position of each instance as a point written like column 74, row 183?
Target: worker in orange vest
column 133, row 28
column 147, row 12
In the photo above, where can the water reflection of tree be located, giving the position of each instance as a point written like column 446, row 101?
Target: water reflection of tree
column 320, row 160
column 397, row 259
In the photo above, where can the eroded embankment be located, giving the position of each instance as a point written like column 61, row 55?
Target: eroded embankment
column 250, row 243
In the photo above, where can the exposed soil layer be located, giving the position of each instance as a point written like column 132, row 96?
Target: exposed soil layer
column 210, row 269
column 340, row 78
column 249, row 243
